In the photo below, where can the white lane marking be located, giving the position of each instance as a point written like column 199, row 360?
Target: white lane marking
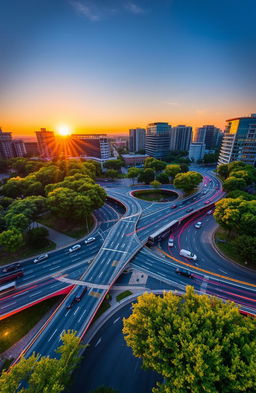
column 10, row 304
column 204, row 284
column 34, row 294
column 82, row 315
column 52, row 335
column 67, row 313
column 100, row 274
column 117, row 319
column 19, row 294
column 54, row 285
column 111, row 249
column 223, row 271
column 54, row 267
column 98, row 342
column 76, row 310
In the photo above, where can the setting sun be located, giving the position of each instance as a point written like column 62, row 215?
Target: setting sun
column 64, row 130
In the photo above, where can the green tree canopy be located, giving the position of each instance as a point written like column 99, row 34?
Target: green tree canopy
column 237, row 214
column 222, row 170
column 155, row 183
column 234, row 183
column 37, row 237
column 173, row 170
column 163, row 178
column 113, row 164
column 112, row 173
column 245, row 246
column 133, row 173
column 11, row 239
column 197, row 343
column 146, row 176
column 187, row 181
column 44, row 375
column 155, row 164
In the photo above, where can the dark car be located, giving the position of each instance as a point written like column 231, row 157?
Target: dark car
column 173, row 206
column 207, row 202
column 11, row 268
column 184, row 273
column 81, row 292
column 70, row 303
column 189, row 210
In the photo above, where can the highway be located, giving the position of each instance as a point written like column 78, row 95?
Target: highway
column 123, row 227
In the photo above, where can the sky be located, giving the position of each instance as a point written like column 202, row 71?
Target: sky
column 111, row 65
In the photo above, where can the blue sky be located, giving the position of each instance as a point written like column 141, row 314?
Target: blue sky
column 113, row 64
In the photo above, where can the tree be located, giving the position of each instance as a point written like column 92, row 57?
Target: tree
column 187, row 181
column 146, row 176
column 113, row 164
column 163, row 178
column 111, row 173
column 133, row 173
column 155, row 164
column 3, row 166
column 17, row 221
column 44, row 374
column 155, row 183
column 241, row 194
column 234, row 183
column 37, row 237
column 210, row 158
column 222, row 170
column 197, row 343
column 49, row 175
column 236, row 214
column 172, row 170
column 14, row 188
column 245, row 246
column 184, row 167
column 104, row 389
column 11, row 239
column 60, row 202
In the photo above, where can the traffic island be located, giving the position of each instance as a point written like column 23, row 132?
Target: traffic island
column 155, row 195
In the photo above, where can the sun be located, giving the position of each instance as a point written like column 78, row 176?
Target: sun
column 64, row 130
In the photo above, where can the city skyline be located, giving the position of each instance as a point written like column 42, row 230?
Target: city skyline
column 109, row 66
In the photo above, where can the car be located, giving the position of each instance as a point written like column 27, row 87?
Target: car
column 70, row 303
column 11, row 268
column 89, row 240
column 74, row 248
column 209, row 212
column 207, row 202
column 189, row 210
column 173, row 206
column 41, row 258
column 185, row 273
column 205, row 192
column 171, row 242
column 188, row 254
column 198, row 225
column 81, row 292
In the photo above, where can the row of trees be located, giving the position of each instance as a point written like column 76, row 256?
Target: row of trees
column 237, row 212
column 44, row 374
column 195, row 342
column 237, row 175
column 72, row 197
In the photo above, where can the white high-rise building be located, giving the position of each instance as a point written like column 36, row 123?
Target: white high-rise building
column 137, row 139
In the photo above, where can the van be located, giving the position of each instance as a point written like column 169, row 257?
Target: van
column 188, row 254
column 80, row 293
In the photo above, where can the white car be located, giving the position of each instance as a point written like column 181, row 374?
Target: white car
column 75, row 248
column 89, row 240
column 41, row 258
column 188, row 254
column 171, row 242
column 198, row 225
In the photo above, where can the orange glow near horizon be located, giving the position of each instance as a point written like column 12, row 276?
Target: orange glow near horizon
column 63, row 130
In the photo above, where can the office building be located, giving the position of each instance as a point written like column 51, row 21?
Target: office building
column 31, row 149
column 157, row 142
column 19, row 149
column 137, row 139
column 90, row 146
column 196, row 151
column 209, row 135
column 239, row 141
column 6, row 148
column 180, row 138
column 46, row 143
column 134, row 159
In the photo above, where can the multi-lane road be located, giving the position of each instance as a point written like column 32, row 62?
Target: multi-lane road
column 123, row 227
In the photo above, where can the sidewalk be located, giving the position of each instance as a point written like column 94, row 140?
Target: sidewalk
column 57, row 237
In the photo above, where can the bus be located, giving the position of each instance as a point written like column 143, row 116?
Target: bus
column 7, row 288
column 162, row 233
column 6, row 277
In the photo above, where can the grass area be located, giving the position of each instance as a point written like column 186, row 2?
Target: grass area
column 104, row 306
column 155, row 195
column 223, row 243
column 68, row 228
column 24, row 252
column 15, row 327
column 122, row 295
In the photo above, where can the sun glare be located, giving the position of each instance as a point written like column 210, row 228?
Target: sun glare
column 64, row 130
